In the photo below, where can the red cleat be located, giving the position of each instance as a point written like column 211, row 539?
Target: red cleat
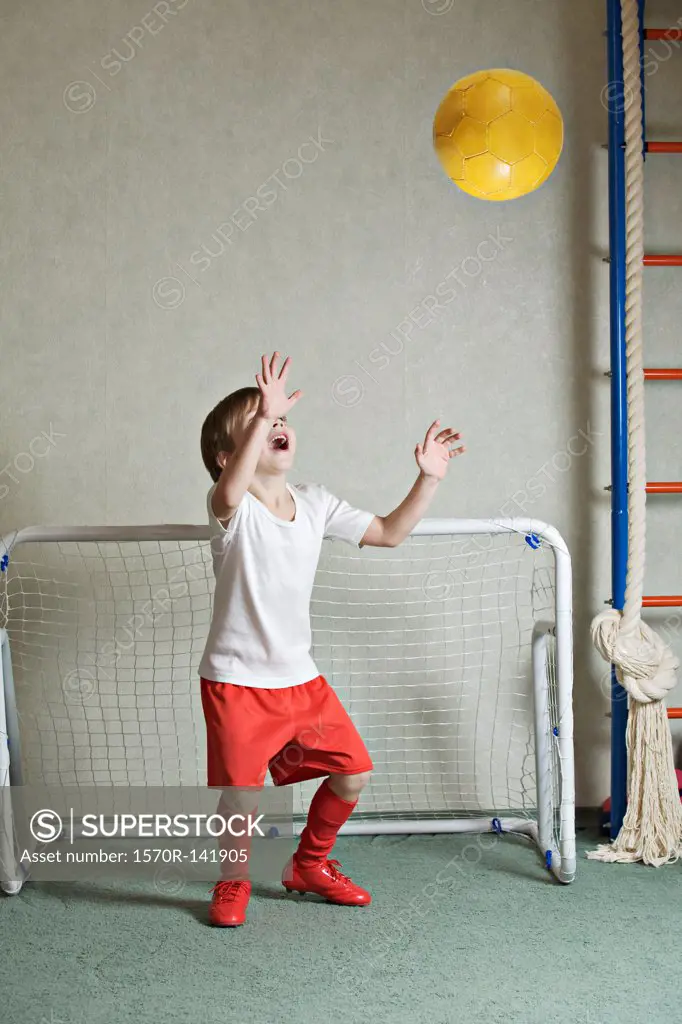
column 325, row 879
column 229, row 903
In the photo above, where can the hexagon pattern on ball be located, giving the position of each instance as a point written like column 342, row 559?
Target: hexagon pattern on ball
column 498, row 134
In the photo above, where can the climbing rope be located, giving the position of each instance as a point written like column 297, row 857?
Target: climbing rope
column 645, row 665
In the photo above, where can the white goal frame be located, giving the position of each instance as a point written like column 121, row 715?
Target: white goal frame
column 551, row 829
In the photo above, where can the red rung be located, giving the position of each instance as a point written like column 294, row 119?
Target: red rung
column 659, row 373
column 663, row 260
column 663, row 33
column 664, row 487
column 663, row 601
column 663, row 147
column 674, row 712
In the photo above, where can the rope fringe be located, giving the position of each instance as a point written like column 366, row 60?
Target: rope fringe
column 652, row 827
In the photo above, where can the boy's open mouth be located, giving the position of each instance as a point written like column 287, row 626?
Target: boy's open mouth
column 280, row 442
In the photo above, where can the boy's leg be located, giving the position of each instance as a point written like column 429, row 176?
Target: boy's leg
column 232, row 892
column 242, row 727
column 310, row 869
column 326, row 744
column 235, row 850
column 330, row 808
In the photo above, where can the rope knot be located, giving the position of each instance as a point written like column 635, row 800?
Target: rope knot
column 645, row 665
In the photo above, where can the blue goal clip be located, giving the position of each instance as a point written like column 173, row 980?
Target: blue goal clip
column 548, row 860
column 555, row 730
column 497, row 826
column 4, row 562
column 533, row 541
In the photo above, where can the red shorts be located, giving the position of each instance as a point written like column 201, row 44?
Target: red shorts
column 298, row 732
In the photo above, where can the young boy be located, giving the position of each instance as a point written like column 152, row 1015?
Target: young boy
column 263, row 698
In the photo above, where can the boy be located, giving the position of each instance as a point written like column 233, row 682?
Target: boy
column 261, row 692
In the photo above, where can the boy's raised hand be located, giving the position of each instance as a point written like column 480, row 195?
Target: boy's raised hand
column 272, row 386
column 435, row 453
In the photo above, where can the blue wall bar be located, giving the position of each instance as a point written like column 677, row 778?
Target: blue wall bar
column 619, row 434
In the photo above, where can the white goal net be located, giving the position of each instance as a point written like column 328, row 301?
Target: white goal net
column 452, row 653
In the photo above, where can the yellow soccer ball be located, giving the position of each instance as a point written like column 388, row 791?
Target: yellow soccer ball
column 498, row 134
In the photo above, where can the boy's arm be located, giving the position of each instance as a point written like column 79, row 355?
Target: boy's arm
column 240, row 467
column 432, row 458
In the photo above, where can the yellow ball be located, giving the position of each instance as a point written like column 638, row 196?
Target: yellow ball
column 498, row 134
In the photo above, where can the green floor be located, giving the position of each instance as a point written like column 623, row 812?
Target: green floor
column 492, row 941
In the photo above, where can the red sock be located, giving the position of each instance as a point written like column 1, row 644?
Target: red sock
column 328, row 812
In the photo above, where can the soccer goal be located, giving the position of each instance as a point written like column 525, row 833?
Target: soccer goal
column 453, row 654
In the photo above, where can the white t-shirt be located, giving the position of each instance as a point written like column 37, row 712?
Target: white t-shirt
column 264, row 568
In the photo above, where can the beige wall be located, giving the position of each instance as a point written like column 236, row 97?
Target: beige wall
column 119, row 332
